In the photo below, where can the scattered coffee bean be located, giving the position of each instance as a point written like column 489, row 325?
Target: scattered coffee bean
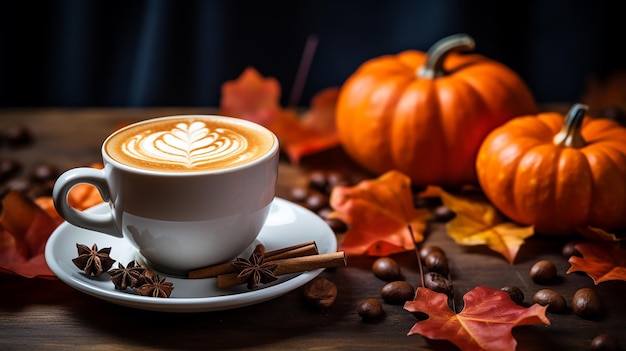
column 299, row 193
column 320, row 293
column 397, row 292
column 605, row 342
column 543, row 271
column 19, row 184
column 515, row 293
column 443, row 213
column 9, row 168
column 438, row 283
column 436, row 261
column 587, row 304
column 555, row 301
column 337, row 225
column 569, row 249
column 333, row 179
column 17, row 136
column 386, row 268
column 316, row 201
column 318, row 180
column 427, row 249
column 371, row 310
column 44, row 172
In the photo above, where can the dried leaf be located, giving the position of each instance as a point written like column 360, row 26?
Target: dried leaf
column 24, row 231
column 606, row 93
column 251, row 97
column 477, row 222
column 378, row 213
column 593, row 233
column 601, row 260
column 256, row 98
column 81, row 197
column 485, row 323
column 316, row 129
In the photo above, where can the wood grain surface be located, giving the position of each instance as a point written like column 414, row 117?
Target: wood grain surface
column 38, row 314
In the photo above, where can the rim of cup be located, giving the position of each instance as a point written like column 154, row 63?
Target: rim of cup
column 267, row 155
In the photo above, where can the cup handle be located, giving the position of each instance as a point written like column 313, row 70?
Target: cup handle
column 100, row 222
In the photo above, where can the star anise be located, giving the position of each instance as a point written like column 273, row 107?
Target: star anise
column 254, row 270
column 155, row 287
column 93, row 261
column 127, row 277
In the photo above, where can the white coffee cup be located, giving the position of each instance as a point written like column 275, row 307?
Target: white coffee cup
column 188, row 191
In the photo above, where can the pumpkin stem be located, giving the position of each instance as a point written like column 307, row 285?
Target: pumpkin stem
column 437, row 53
column 570, row 135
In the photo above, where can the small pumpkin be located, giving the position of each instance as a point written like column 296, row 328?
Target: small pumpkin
column 425, row 114
column 558, row 173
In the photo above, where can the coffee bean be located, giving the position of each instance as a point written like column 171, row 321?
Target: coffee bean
column 371, row 310
column 9, row 168
column 333, row 179
column 316, row 201
column 320, row 293
column 436, row 261
column 427, row 249
column 569, row 249
column 587, row 304
column 19, row 184
column 397, row 292
column 605, row 342
column 386, row 268
column 17, row 136
column 555, row 301
column 543, row 271
column 438, row 283
column 515, row 293
column 318, row 180
column 443, row 213
column 299, row 193
column 44, row 172
column 337, row 225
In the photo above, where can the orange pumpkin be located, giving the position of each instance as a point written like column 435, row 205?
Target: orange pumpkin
column 557, row 172
column 425, row 114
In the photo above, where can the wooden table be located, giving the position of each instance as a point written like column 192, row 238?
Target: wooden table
column 38, row 314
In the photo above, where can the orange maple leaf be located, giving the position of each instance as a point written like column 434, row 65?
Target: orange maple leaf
column 485, row 323
column 256, row 98
column 478, row 222
column 81, row 197
column 26, row 225
column 601, row 260
column 378, row 213
column 593, row 233
column 24, row 231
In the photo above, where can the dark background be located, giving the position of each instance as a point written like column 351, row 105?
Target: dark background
column 179, row 52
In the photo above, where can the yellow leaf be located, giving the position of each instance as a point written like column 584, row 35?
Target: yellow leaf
column 477, row 222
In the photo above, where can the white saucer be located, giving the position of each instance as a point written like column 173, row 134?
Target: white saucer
column 288, row 224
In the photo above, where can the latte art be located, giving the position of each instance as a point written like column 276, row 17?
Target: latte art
column 189, row 144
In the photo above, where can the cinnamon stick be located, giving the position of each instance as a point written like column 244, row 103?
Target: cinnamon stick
column 290, row 265
column 302, row 249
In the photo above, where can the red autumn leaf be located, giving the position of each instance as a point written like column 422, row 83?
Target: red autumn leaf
column 378, row 213
column 24, row 231
column 601, row 260
column 251, row 97
column 316, row 129
column 256, row 98
column 485, row 323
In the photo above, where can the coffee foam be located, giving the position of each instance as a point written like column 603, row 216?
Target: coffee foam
column 188, row 143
